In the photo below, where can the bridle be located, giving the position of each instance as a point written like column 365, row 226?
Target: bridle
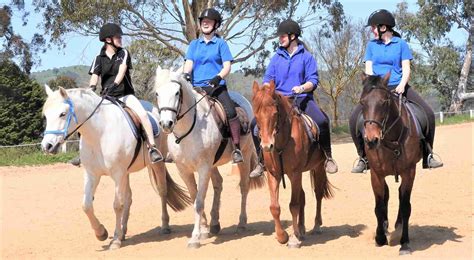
column 387, row 102
column 72, row 114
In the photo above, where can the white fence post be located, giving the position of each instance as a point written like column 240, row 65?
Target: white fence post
column 471, row 113
column 64, row 147
column 441, row 117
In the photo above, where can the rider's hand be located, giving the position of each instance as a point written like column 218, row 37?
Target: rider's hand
column 187, row 76
column 214, row 82
column 400, row 89
column 108, row 88
column 298, row 89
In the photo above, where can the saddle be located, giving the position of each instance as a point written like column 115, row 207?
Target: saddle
column 312, row 129
column 217, row 110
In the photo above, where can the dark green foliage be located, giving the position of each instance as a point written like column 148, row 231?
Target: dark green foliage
column 21, row 100
column 62, row 81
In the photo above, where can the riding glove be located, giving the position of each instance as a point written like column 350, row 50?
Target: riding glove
column 214, row 82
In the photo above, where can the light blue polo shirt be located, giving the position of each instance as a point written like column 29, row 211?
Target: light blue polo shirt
column 388, row 57
column 208, row 59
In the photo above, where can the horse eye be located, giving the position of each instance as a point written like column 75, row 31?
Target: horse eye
column 177, row 93
column 156, row 94
column 63, row 114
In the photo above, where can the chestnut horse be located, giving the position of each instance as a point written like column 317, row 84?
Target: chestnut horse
column 287, row 149
column 393, row 147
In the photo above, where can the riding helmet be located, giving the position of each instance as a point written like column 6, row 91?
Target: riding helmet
column 212, row 14
column 381, row 17
column 109, row 30
column 289, row 27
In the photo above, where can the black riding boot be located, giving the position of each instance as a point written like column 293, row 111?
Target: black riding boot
column 234, row 125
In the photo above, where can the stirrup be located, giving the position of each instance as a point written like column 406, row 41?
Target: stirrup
column 155, row 155
column 430, row 157
column 258, row 171
column 356, row 163
column 331, row 171
column 237, row 156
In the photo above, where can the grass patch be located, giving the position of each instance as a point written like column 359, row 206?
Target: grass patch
column 31, row 155
column 455, row 119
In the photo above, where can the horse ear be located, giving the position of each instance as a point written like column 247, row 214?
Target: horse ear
column 63, row 92
column 385, row 78
column 180, row 69
column 255, row 87
column 48, row 90
column 158, row 70
column 272, row 87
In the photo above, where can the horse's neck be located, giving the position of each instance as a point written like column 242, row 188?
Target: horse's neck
column 398, row 126
column 286, row 122
column 190, row 98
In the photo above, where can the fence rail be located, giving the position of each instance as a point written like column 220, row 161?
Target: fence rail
column 67, row 146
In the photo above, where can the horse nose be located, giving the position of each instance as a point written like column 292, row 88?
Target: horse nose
column 166, row 125
column 47, row 147
column 268, row 147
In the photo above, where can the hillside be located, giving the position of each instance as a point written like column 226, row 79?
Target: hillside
column 78, row 72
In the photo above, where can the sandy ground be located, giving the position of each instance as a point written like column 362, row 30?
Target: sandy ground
column 41, row 214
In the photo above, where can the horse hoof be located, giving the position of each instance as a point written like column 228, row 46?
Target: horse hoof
column 165, row 231
column 116, row 244
column 215, row 229
column 104, row 235
column 381, row 241
column 405, row 250
column 204, row 236
column 194, row 245
column 283, row 239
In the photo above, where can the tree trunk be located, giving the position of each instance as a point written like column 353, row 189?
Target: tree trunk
column 460, row 95
column 335, row 122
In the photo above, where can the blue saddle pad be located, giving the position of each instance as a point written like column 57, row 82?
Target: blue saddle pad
column 154, row 124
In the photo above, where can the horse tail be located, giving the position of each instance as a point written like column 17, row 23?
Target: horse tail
column 256, row 183
column 176, row 196
column 321, row 184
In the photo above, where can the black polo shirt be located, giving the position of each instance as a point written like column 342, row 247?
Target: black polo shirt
column 108, row 69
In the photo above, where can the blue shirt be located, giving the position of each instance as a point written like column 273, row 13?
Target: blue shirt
column 290, row 71
column 208, row 59
column 388, row 57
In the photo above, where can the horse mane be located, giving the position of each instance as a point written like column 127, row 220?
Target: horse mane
column 165, row 76
column 264, row 97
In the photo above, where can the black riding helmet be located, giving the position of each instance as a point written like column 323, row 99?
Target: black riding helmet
column 212, row 14
column 289, row 27
column 381, row 17
column 109, row 30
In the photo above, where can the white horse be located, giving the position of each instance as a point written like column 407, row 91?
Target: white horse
column 107, row 148
column 199, row 139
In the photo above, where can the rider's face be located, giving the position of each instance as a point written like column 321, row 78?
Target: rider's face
column 207, row 25
column 116, row 40
column 373, row 28
column 284, row 40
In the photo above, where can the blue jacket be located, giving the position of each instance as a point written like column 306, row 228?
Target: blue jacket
column 288, row 72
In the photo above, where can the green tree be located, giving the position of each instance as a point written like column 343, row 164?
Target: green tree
column 14, row 46
column 430, row 26
column 21, row 101
column 63, row 81
column 175, row 23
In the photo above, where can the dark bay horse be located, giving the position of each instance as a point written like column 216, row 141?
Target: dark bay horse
column 287, row 149
column 393, row 147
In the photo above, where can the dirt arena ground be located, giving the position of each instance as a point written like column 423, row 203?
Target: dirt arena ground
column 41, row 214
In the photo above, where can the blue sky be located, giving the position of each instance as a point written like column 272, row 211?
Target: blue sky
column 81, row 50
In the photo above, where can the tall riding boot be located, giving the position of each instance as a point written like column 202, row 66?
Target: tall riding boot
column 154, row 153
column 234, row 125
column 325, row 141
column 428, row 159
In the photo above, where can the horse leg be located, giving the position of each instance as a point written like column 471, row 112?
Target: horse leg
column 405, row 209
column 301, row 221
column 319, row 179
column 385, row 199
column 204, row 174
column 127, row 205
column 121, row 185
column 244, row 169
column 274, row 185
column 295, row 205
column 90, row 186
column 216, row 179
column 378, row 187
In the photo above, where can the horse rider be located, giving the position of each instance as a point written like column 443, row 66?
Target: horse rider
column 294, row 71
column 387, row 52
column 208, row 62
column 113, row 66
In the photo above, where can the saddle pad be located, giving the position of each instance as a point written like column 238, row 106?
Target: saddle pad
column 154, row 124
column 311, row 127
column 146, row 105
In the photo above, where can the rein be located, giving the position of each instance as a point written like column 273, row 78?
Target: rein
column 72, row 114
